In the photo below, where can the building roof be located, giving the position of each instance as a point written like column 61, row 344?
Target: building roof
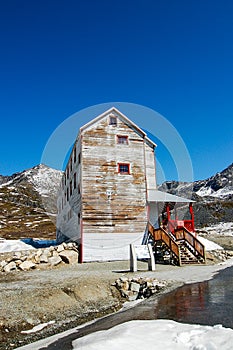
column 159, row 196
column 115, row 112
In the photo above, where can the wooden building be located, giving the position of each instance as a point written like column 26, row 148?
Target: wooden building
column 108, row 192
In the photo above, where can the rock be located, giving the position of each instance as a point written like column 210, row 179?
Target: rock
column 60, row 248
column 54, row 260
column 134, row 287
column 132, row 296
column 9, row 267
column 52, row 256
column 39, row 252
column 69, row 256
column 16, row 256
column 138, row 288
column 18, row 262
column 26, row 265
column 55, row 253
column 44, row 258
column 123, row 279
column 3, row 263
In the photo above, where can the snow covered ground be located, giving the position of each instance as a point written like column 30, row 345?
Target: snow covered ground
column 10, row 245
column 223, row 228
column 159, row 335
column 209, row 245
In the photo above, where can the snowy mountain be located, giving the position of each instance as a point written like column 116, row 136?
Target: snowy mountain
column 213, row 196
column 218, row 186
column 28, row 203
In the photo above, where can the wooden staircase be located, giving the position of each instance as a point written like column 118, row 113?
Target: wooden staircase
column 182, row 245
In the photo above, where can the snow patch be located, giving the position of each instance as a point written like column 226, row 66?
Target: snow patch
column 160, row 334
column 10, row 245
column 223, row 228
column 38, row 328
column 209, row 245
column 44, row 178
column 221, row 193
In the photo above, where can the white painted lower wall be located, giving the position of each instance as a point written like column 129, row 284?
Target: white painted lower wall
column 109, row 247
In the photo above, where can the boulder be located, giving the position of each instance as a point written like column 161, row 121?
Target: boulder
column 3, row 263
column 16, row 256
column 134, row 287
column 54, row 260
column 26, row 265
column 69, row 256
column 9, row 267
column 44, row 258
column 60, row 248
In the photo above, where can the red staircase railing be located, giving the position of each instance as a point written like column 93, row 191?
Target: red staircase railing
column 172, row 240
column 183, row 234
column 160, row 234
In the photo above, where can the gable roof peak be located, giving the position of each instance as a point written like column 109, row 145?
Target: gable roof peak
column 113, row 111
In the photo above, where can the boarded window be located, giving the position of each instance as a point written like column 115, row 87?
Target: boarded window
column 123, row 168
column 122, row 140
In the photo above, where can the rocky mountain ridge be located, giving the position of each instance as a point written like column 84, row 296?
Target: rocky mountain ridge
column 213, row 197
column 28, row 203
column 219, row 186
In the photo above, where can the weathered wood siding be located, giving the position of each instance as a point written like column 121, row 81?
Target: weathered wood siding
column 150, row 167
column 105, row 202
column 125, row 210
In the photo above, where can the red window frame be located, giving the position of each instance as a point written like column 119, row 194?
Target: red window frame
column 122, row 140
column 124, row 168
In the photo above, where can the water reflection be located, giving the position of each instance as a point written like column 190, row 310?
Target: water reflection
column 209, row 302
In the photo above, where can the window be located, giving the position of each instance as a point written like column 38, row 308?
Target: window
column 67, row 194
column 122, row 140
column 79, row 158
column 112, row 120
column 75, row 153
column 71, row 164
column 123, row 168
column 75, row 177
column 70, row 214
column 70, row 188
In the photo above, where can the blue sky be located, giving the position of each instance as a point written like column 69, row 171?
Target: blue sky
column 173, row 56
